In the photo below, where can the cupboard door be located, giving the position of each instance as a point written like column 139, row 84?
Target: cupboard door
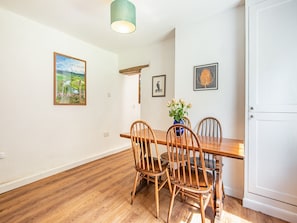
column 273, row 153
column 272, row 52
column 272, row 99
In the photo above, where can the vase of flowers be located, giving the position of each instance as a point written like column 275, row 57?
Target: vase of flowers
column 178, row 109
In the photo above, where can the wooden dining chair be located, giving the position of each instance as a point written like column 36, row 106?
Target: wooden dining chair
column 187, row 122
column 148, row 164
column 210, row 126
column 186, row 178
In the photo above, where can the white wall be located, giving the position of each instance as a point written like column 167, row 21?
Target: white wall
column 38, row 138
column 160, row 58
column 217, row 39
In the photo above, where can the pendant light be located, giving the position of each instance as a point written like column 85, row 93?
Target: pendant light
column 123, row 16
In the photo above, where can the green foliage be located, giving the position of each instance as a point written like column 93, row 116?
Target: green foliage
column 70, row 87
column 178, row 109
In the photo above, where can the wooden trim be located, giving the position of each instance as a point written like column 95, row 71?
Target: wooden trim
column 133, row 70
column 139, row 88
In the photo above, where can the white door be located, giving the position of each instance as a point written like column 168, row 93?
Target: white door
column 273, row 153
column 273, row 56
column 272, row 100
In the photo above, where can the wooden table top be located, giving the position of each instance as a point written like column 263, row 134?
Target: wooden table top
column 232, row 148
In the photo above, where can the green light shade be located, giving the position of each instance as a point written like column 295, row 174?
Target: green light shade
column 123, row 16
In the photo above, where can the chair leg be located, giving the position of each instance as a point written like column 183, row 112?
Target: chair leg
column 168, row 181
column 134, row 187
column 157, row 195
column 183, row 195
column 213, row 208
column 171, row 203
column 202, row 210
column 223, row 191
column 214, row 174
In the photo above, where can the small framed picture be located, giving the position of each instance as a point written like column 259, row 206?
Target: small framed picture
column 69, row 80
column 158, row 86
column 206, row 77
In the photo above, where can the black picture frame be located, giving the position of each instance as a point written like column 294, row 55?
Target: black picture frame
column 159, row 86
column 205, row 77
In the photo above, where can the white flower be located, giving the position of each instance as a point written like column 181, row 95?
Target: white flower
column 178, row 109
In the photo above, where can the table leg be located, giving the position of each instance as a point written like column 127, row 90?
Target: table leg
column 218, row 187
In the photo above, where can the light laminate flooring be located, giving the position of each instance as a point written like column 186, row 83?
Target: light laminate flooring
column 100, row 192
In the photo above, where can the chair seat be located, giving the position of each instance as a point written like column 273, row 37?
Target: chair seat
column 164, row 156
column 202, row 183
column 149, row 170
column 210, row 164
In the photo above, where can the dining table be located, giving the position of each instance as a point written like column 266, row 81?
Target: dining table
column 224, row 147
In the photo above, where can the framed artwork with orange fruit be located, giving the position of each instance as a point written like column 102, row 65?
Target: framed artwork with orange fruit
column 206, row 77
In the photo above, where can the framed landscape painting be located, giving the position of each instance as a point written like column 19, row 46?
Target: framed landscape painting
column 206, row 77
column 69, row 80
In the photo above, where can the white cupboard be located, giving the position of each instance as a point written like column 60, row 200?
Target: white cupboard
column 271, row 108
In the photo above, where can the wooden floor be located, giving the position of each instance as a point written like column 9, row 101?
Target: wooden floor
column 100, row 192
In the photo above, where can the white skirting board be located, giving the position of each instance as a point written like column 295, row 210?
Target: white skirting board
column 233, row 192
column 26, row 180
column 273, row 208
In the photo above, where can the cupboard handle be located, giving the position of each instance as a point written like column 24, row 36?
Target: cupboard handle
column 251, row 116
column 252, row 108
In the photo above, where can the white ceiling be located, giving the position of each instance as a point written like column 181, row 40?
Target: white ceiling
column 89, row 20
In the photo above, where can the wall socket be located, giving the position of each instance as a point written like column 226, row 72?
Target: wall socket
column 2, row 155
column 106, row 134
